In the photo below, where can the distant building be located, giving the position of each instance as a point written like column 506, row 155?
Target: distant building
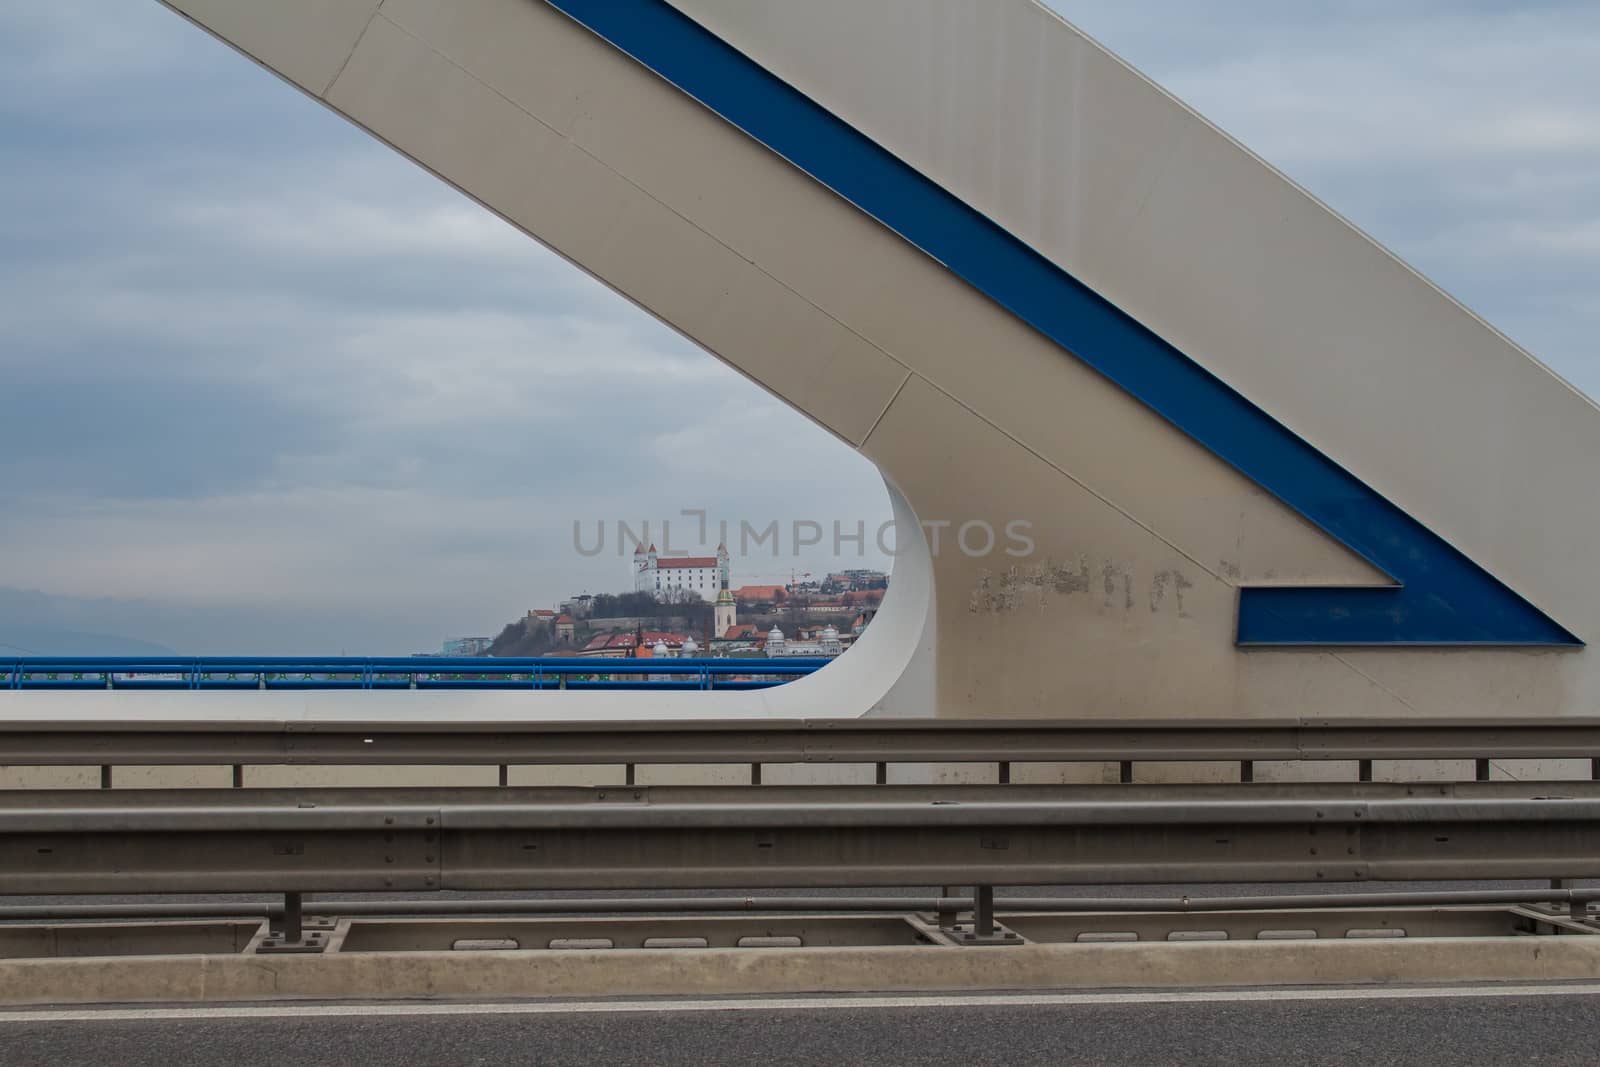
column 825, row 642
column 466, row 646
column 566, row 628
column 755, row 594
column 638, row 645
column 660, row 575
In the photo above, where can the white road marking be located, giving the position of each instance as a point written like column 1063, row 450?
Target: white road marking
column 820, row 1003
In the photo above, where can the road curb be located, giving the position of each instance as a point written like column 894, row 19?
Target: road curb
column 667, row 972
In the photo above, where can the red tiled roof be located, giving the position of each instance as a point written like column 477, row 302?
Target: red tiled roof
column 542, row 613
column 609, row 640
column 739, row 632
column 563, row 618
column 760, row 592
column 672, row 562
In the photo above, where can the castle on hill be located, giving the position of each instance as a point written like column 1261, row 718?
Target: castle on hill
column 704, row 576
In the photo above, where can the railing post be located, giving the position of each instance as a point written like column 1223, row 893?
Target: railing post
column 1481, row 770
column 105, row 776
column 983, row 911
column 293, row 918
column 1005, row 772
column 883, row 773
column 1364, row 770
column 1125, row 772
column 1247, row 770
column 755, row 774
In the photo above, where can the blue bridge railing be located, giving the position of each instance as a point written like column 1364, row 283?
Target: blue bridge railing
column 405, row 672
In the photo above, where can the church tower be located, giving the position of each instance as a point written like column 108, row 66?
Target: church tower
column 725, row 613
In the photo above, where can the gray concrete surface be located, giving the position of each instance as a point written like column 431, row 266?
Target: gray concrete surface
column 446, row 975
column 1236, row 1030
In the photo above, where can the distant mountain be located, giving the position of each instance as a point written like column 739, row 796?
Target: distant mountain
column 48, row 624
column 20, row 640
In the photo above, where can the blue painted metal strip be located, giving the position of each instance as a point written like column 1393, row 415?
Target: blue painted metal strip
column 1441, row 597
column 428, row 672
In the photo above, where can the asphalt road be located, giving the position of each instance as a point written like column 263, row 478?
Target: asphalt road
column 1403, row 1027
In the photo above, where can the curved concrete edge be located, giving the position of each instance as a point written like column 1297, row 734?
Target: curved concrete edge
column 452, row 975
column 889, row 671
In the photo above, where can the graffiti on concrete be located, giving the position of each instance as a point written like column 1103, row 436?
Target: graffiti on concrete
column 1008, row 590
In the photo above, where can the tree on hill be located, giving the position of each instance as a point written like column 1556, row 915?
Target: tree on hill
column 525, row 637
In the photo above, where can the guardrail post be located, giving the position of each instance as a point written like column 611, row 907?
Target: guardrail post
column 983, row 911
column 1481, row 770
column 755, row 774
column 1573, row 908
column 629, row 774
column 948, row 911
column 883, row 772
column 1005, row 772
column 1125, row 772
column 1247, row 770
column 1364, row 770
column 105, row 776
column 293, row 918
column 505, row 776
column 238, row 776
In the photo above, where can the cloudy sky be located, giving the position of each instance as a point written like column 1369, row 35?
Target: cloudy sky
column 266, row 387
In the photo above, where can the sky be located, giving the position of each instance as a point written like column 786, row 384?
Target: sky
column 267, row 387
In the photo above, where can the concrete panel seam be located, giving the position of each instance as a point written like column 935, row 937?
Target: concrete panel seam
column 1075, row 480
column 898, row 390
column 322, row 95
column 1385, row 689
column 569, row 141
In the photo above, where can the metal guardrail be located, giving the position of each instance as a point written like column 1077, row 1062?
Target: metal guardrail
column 398, row 839
column 408, row 672
column 631, row 837
column 110, row 742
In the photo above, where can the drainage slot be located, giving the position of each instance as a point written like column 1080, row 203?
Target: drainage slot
column 1198, row 935
column 1089, row 937
column 580, row 942
column 484, row 944
column 675, row 942
column 1286, row 935
column 770, row 942
column 1374, row 933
